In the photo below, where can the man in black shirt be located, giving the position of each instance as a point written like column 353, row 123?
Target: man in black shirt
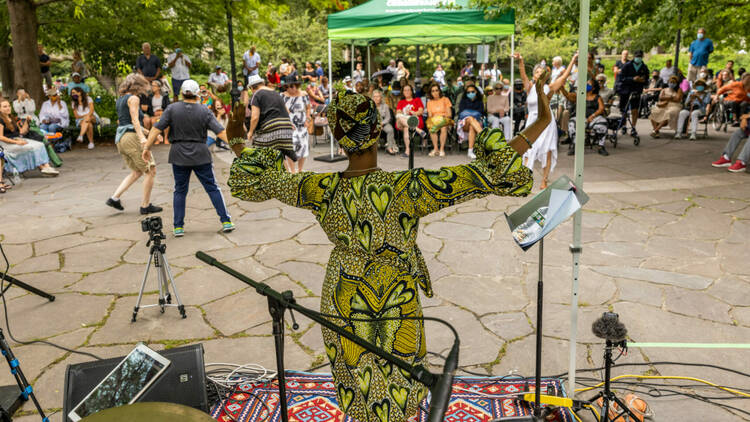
column 44, row 63
column 147, row 64
column 632, row 79
column 188, row 122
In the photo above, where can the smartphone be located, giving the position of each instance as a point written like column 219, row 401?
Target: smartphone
column 125, row 384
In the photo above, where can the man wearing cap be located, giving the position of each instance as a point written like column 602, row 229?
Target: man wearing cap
column 180, row 65
column 319, row 69
column 218, row 80
column 348, row 83
column 632, row 79
column 188, row 123
column 78, row 83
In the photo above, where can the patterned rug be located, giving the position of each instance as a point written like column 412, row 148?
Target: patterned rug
column 312, row 398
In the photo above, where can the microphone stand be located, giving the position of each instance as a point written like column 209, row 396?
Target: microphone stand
column 278, row 303
column 607, row 395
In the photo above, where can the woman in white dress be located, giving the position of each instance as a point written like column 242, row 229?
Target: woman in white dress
column 544, row 149
column 298, row 105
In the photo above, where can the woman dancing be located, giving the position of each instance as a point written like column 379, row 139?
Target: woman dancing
column 372, row 217
column 545, row 150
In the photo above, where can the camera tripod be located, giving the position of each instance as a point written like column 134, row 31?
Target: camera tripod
column 164, row 275
column 10, row 399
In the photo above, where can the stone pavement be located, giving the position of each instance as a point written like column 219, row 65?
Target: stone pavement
column 665, row 245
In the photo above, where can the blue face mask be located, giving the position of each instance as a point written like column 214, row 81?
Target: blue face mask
column 396, row 91
column 471, row 95
column 638, row 60
column 700, row 35
column 700, row 88
column 589, row 87
column 460, row 83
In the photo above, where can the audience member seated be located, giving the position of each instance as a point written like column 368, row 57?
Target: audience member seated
column 695, row 105
column 653, row 89
column 220, row 112
column 155, row 105
column 667, row 109
column 83, row 111
column 54, row 115
column 519, row 105
column 498, row 108
column 78, row 83
column 21, row 153
column 219, row 81
column 595, row 120
column 24, row 106
column 409, row 106
column 733, row 145
column 607, row 94
column 205, row 96
column 735, row 94
column 385, row 122
column 324, row 88
column 394, row 95
column 470, row 116
column 314, row 94
column 438, row 118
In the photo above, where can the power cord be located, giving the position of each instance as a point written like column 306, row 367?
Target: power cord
column 7, row 324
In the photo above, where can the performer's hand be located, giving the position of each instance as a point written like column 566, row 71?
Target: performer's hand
column 146, row 156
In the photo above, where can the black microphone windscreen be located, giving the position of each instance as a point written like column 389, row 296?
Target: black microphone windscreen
column 609, row 328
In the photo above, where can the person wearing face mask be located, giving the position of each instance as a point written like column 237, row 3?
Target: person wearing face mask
column 668, row 108
column 498, row 107
column 696, row 104
column 607, row 94
column 736, row 94
column 632, row 80
column 699, row 51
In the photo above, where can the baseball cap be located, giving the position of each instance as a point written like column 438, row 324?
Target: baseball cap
column 190, row 87
column 74, row 74
column 218, row 66
column 317, row 62
column 347, row 79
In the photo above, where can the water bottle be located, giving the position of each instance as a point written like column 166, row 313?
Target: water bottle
column 531, row 229
column 15, row 177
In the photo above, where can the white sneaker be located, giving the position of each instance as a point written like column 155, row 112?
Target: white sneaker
column 470, row 154
column 692, row 137
column 50, row 170
column 79, row 139
column 91, row 145
column 678, row 135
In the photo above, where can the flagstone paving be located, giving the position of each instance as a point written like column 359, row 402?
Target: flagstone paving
column 665, row 244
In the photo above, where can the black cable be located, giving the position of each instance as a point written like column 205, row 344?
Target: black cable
column 7, row 323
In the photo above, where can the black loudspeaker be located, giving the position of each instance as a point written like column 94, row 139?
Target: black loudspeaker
column 184, row 382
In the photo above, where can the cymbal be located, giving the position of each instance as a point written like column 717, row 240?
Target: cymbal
column 150, row 412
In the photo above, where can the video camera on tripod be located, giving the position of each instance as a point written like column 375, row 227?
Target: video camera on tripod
column 153, row 226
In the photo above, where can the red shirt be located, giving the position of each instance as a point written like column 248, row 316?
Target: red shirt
column 415, row 104
column 273, row 79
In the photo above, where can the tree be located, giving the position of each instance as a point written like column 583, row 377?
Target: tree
column 6, row 54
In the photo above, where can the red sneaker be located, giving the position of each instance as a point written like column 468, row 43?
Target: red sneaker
column 722, row 162
column 737, row 167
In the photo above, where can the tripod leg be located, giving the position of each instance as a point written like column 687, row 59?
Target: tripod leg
column 162, row 292
column 26, row 390
column 143, row 286
column 168, row 270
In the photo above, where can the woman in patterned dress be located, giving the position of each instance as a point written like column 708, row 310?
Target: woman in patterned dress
column 372, row 218
column 298, row 104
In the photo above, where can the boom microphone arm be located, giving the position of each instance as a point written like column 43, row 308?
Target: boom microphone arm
column 440, row 385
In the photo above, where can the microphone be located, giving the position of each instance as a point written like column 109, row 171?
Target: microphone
column 441, row 390
column 205, row 258
column 608, row 327
column 412, row 122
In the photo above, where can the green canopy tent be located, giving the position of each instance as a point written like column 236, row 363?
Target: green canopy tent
column 415, row 22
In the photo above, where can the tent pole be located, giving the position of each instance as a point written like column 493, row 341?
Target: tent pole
column 418, row 73
column 575, row 248
column 512, row 75
column 330, row 88
column 352, row 59
column 369, row 72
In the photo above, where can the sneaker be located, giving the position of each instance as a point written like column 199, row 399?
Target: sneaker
column 79, row 139
column 115, row 203
column 179, row 232
column 471, row 154
column 91, row 145
column 692, row 137
column 722, row 162
column 571, row 151
column 403, row 155
column 678, row 135
column 603, row 151
column 227, row 226
column 50, row 171
column 737, row 167
column 150, row 209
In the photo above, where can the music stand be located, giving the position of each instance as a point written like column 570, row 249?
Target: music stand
column 562, row 198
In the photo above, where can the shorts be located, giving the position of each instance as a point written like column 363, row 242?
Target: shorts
column 635, row 100
column 131, row 150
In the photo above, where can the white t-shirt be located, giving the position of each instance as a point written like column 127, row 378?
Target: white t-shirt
column 156, row 103
column 250, row 61
column 358, row 75
column 82, row 111
column 219, row 79
column 439, row 76
column 180, row 71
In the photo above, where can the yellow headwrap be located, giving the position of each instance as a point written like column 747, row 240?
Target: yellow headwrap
column 354, row 121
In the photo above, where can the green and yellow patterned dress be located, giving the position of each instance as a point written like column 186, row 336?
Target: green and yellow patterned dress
column 376, row 265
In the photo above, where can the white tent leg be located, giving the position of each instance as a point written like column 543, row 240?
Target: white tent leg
column 330, row 89
column 575, row 248
column 512, row 75
column 369, row 72
column 353, row 58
